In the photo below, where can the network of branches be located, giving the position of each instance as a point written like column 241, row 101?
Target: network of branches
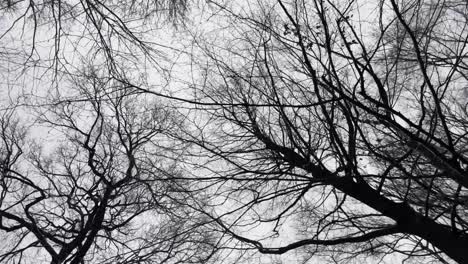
column 296, row 131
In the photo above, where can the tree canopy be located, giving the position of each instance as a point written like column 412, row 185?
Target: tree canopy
column 305, row 130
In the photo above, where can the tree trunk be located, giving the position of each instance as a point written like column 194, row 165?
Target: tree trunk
column 453, row 245
column 408, row 220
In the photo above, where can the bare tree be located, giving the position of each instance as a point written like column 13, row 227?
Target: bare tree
column 107, row 188
column 343, row 120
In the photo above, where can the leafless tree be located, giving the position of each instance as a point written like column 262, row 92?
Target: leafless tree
column 345, row 121
column 334, row 128
column 106, row 188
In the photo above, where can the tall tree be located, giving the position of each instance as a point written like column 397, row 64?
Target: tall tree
column 345, row 121
column 105, row 183
column 107, row 188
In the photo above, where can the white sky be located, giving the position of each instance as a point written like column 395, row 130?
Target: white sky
column 36, row 77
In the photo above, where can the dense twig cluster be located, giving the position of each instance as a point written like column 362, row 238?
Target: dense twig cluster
column 337, row 129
